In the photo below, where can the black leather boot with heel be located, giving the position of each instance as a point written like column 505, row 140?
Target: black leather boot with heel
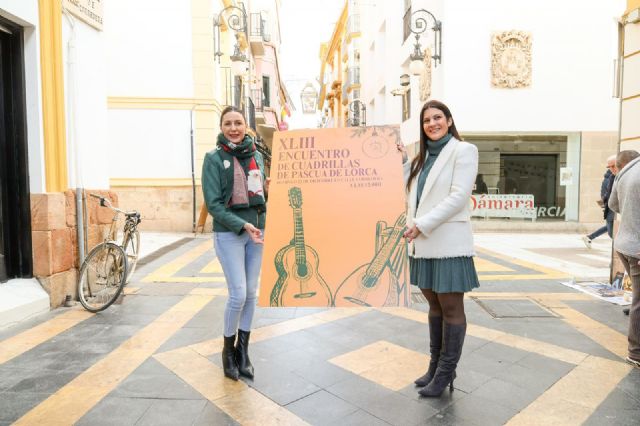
column 229, row 364
column 435, row 345
column 242, row 354
column 453, row 339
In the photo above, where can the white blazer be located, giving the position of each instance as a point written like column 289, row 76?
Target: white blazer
column 443, row 213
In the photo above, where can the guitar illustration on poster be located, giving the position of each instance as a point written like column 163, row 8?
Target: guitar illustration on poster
column 380, row 279
column 299, row 282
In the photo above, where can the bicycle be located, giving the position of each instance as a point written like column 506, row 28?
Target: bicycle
column 108, row 267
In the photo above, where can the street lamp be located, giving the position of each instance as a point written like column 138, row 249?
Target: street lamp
column 308, row 99
column 235, row 18
column 357, row 113
column 417, row 26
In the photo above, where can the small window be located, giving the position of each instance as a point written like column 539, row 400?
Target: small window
column 266, row 91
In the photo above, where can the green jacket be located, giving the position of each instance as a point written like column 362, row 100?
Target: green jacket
column 217, row 186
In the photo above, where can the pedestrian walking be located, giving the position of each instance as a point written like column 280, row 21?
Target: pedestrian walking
column 605, row 191
column 439, row 181
column 234, row 186
column 625, row 199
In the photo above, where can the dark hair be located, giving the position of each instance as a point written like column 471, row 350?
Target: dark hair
column 231, row 108
column 625, row 157
column 418, row 161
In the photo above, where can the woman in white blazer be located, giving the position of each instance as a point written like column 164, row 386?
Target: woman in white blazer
column 439, row 181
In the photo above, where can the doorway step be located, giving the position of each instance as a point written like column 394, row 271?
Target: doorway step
column 21, row 299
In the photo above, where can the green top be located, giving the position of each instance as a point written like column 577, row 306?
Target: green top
column 434, row 149
column 217, row 188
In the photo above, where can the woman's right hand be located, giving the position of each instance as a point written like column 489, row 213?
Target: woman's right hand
column 411, row 233
column 254, row 233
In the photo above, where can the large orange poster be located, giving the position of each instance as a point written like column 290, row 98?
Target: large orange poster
column 335, row 220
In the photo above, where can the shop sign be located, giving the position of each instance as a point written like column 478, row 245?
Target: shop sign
column 89, row 11
column 503, row 205
column 553, row 211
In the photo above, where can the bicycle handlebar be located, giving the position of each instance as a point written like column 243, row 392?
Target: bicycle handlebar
column 104, row 202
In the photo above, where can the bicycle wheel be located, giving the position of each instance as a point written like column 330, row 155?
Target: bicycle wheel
column 102, row 277
column 131, row 246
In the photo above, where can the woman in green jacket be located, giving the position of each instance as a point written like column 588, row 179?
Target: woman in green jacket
column 234, row 187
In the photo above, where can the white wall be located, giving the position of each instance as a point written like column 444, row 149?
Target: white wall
column 573, row 48
column 574, row 45
column 86, row 104
column 149, row 53
column 25, row 13
column 149, row 48
column 149, row 144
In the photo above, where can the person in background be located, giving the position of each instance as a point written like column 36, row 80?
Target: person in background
column 439, row 181
column 235, row 186
column 481, row 186
column 605, row 191
column 625, row 199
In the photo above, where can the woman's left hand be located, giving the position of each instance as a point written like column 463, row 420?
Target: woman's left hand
column 254, row 233
column 266, row 185
column 412, row 233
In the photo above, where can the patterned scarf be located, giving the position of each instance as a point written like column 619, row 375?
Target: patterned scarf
column 248, row 187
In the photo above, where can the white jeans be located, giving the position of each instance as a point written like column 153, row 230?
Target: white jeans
column 241, row 259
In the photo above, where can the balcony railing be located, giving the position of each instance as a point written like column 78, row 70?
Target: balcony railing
column 406, row 25
column 257, row 26
column 353, row 24
column 258, row 99
column 353, row 76
column 357, row 114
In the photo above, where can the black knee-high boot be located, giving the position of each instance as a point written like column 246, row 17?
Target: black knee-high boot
column 229, row 364
column 451, row 350
column 435, row 345
column 242, row 354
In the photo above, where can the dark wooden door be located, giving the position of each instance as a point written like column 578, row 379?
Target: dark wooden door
column 15, row 212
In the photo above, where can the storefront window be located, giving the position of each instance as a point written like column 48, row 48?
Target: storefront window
column 519, row 177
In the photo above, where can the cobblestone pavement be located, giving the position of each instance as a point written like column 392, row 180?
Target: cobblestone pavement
column 536, row 353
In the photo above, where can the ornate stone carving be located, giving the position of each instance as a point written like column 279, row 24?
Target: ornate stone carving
column 511, row 59
column 425, row 76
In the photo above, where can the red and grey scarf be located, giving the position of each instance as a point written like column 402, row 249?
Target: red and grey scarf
column 248, row 185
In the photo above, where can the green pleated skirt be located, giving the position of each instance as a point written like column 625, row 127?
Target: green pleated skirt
column 449, row 275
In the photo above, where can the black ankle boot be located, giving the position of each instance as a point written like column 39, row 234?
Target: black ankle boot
column 435, row 345
column 229, row 364
column 242, row 354
column 451, row 350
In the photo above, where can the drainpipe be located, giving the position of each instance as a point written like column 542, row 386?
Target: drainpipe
column 73, row 120
column 193, row 167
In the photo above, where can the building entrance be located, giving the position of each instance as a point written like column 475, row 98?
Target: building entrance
column 540, row 168
column 530, row 174
column 15, row 215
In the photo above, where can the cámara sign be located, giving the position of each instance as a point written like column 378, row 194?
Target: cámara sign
column 503, row 205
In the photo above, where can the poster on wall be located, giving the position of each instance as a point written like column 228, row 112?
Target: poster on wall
column 335, row 220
